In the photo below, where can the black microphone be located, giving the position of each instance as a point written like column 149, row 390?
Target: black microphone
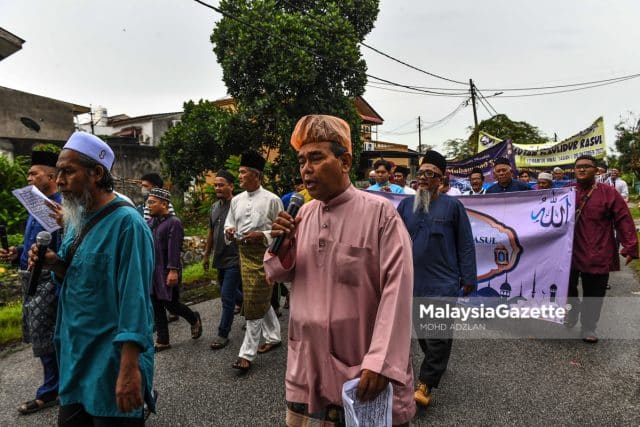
column 42, row 239
column 296, row 201
column 3, row 237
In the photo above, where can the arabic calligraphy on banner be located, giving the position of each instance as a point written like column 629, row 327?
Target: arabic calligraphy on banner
column 523, row 244
column 588, row 141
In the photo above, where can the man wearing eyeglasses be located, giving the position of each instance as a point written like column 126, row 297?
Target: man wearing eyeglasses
column 504, row 177
column 444, row 263
column 599, row 210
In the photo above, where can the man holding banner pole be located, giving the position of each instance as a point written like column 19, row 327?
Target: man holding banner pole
column 504, row 176
column 599, row 210
column 444, row 262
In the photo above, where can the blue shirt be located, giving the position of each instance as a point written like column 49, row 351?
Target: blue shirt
column 444, row 256
column 104, row 302
column 514, row 185
column 394, row 188
column 31, row 232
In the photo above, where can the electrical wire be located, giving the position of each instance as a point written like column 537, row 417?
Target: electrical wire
column 567, row 90
column 386, row 55
column 429, row 125
column 482, row 97
column 411, row 66
column 413, row 92
column 296, row 46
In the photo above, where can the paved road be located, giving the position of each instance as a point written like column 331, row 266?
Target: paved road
column 491, row 382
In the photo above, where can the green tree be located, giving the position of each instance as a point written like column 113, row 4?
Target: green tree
column 457, row 149
column 206, row 136
column 13, row 174
column 503, row 127
column 304, row 60
column 628, row 144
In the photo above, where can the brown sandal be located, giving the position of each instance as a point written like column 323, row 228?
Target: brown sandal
column 158, row 347
column 244, row 367
column 268, row 346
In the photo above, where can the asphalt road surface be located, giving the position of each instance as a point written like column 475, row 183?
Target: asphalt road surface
column 489, row 382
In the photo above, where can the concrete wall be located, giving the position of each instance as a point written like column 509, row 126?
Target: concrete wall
column 133, row 161
column 55, row 118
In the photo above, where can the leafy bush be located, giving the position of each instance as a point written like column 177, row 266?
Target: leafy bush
column 13, row 174
column 10, row 323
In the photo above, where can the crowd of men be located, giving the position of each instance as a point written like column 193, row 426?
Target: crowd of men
column 114, row 272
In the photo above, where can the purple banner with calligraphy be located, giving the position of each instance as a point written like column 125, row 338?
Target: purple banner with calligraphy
column 523, row 244
column 459, row 171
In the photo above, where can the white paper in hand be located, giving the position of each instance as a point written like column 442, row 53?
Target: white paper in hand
column 374, row 413
column 34, row 202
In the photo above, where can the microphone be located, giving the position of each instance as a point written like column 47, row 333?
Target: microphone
column 42, row 239
column 3, row 237
column 296, row 201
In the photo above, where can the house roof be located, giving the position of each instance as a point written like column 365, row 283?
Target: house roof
column 123, row 119
column 9, row 43
column 75, row 108
column 367, row 113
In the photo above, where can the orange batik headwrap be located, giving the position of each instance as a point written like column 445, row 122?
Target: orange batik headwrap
column 321, row 128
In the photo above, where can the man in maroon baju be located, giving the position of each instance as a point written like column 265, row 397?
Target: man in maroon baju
column 599, row 211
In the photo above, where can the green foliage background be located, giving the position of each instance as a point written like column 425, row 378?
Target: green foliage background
column 275, row 83
column 13, row 174
column 628, row 145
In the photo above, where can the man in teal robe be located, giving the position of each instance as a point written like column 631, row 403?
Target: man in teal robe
column 104, row 334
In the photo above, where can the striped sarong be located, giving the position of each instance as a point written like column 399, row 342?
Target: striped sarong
column 256, row 292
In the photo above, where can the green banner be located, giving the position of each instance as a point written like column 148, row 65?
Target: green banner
column 588, row 141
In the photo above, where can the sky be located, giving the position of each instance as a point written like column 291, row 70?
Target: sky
column 149, row 56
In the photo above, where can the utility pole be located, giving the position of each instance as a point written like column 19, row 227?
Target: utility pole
column 91, row 116
column 419, row 138
column 473, row 103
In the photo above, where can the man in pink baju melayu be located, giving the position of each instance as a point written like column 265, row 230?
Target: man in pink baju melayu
column 347, row 254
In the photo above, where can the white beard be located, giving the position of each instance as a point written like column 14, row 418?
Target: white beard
column 421, row 201
column 74, row 210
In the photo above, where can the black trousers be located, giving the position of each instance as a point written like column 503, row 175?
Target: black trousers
column 74, row 415
column 279, row 290
column 436, row 351
column 594, row 288
column 174, row 306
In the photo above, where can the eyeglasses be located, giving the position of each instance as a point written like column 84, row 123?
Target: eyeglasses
column 583, row 167
column 428, row 174
column 152, row 202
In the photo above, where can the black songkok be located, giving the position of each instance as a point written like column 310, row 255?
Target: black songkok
column 434, row 158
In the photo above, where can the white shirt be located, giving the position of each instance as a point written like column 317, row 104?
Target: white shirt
column 453, row 191
column 253, row 211
column 621, row 186
column 473, row 193
column 409, row 190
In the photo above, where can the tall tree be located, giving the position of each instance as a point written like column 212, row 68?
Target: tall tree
column 289, row 58
column 628, row 144
column 203, row 140
column 503, row 127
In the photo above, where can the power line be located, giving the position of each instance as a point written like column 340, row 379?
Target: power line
column 485, row 106
column 386, row 55
column 567, row 90
column 410, row 66
column 414, row 92
column 296, row 46
column 612, row 79
column 568, row 85
column 430, row 125
column 401, row 126
column 482, row 97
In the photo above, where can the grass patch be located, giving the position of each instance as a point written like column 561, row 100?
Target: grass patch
column 195, row 273
column 197, row 285
column 196, row 230
column 10, row 323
